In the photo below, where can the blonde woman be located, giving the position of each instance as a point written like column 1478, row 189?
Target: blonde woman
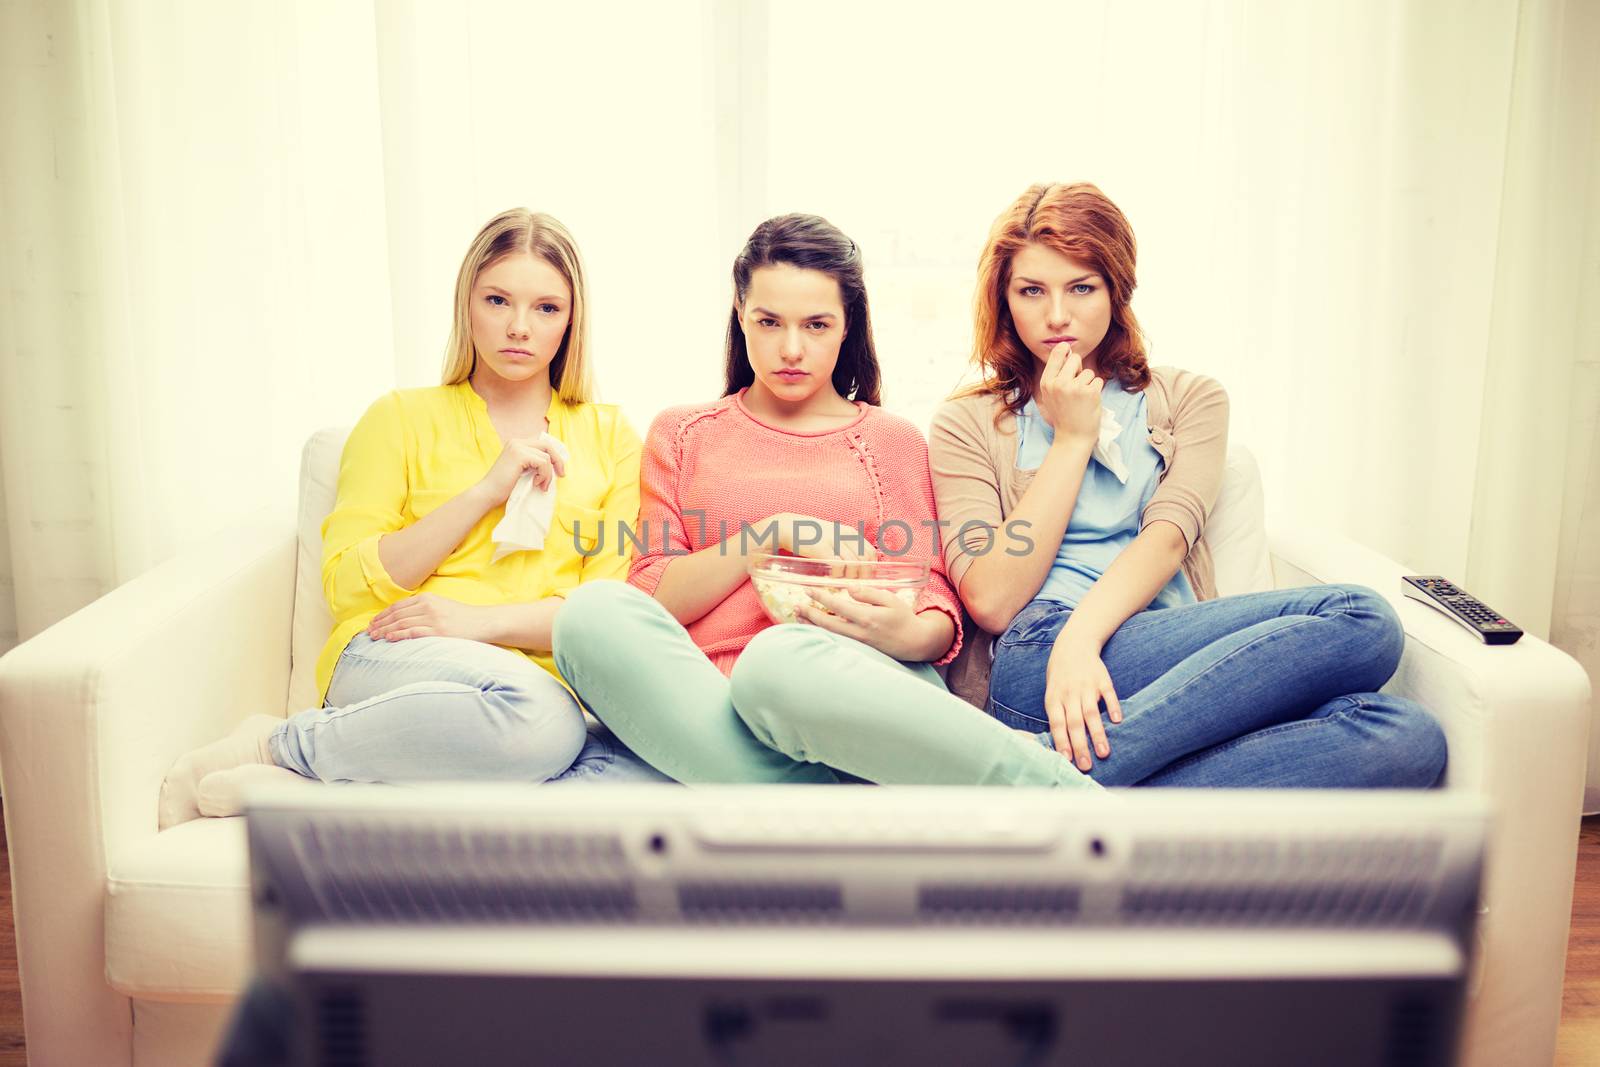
column 439, row 666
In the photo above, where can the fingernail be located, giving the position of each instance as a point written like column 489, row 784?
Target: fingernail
column 1104, row 751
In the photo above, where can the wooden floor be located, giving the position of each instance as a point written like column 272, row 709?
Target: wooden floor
column 13, row 1052
column 1578, row 1044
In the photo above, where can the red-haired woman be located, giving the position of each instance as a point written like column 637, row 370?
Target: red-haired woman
column 1075, row 480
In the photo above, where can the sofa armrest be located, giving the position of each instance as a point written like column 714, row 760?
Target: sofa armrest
column 92, row 713
column 1517, row 721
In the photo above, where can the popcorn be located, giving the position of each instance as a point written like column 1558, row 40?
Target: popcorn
column 783, row 599
column 785, row 583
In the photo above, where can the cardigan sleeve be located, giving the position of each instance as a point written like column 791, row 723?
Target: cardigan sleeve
column 966, row 486
column 1193, row 480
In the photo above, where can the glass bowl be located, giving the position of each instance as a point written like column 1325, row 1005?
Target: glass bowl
column 784, row 583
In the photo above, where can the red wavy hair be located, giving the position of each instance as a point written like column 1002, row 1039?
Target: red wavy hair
column 1079, row 222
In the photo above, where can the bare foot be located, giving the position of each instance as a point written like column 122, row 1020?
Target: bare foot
column 246, row 744
column 222, row 793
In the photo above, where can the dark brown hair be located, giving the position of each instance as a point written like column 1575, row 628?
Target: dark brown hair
column 809, row 242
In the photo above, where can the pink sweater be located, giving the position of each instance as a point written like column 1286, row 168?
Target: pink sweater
column 717, row 459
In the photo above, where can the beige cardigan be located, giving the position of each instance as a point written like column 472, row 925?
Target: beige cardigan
column 976, row 481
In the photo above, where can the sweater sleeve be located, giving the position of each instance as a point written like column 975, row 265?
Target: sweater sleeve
column 369, row 502
column 1189, row 491
column 661, row 526
column 619, row 511
column 909, row 498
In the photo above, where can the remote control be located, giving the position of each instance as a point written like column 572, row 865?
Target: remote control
column 1487, row 625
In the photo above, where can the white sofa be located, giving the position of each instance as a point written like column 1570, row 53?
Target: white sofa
column 132, row 943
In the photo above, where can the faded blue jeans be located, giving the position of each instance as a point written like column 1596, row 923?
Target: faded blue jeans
column 447, row 709
column 1270, row 690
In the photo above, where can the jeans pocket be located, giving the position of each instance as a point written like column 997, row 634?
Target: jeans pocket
column 1037, row 623
column 1015, row 719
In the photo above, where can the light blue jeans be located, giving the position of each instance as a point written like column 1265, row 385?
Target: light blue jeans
column 1275, row 690
column 434, row 709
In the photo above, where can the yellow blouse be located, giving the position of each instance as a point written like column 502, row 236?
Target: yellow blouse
column 413, row 450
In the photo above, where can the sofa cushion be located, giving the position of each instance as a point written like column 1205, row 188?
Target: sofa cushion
column 177, row 914
column 1236, row 529
column 319, row 479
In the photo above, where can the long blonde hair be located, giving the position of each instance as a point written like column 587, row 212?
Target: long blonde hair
column 508, row 233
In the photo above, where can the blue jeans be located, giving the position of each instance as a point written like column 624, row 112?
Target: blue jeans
column 448, row 709
column 1270, row 690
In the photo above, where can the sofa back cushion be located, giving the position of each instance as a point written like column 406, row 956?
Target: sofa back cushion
column 319, row 479
column 1236, row 532
column 1237, row 528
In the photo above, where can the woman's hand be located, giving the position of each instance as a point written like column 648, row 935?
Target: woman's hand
column 429, row 615
column 522, row 454
column 872, row 616
column 814, row 538
column 1069, row 395
column 1076, row 680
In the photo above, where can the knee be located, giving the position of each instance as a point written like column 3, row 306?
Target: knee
column 549, row 749
column 543, row 731
column 758, row 676
column 1384, row 637
column 764, row 682
column 588, row 617
column 1415, row 745
column 591, row 605
column 1428, row 749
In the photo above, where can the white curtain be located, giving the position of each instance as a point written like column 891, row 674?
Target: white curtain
column 1323, row 203
column 227, row 224
column 1378, row 224
column 602, row 115
column 196, row 273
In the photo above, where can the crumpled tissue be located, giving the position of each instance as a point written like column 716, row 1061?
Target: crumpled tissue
column 529, row 510
column 1107, row 450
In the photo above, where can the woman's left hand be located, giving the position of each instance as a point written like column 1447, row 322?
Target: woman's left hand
column 428, row 615
column 873, row 616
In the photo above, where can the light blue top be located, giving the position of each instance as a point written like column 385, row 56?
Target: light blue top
column 1105, row 519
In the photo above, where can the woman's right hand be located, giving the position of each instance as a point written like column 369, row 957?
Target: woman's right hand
column 814, row 538
column 1069, row 395
column 522, row 454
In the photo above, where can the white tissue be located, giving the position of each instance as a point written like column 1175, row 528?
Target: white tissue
column 529, row 510
column 1107, row 450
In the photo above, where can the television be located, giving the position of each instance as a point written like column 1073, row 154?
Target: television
column 779, row 925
